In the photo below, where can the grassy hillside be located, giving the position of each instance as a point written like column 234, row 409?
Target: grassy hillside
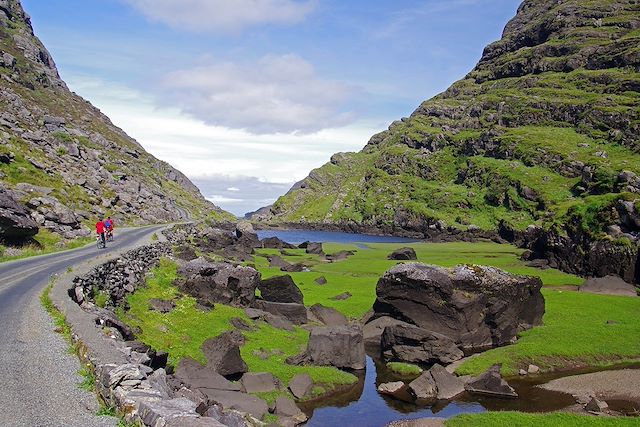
column 60, row 154
column 543, row 131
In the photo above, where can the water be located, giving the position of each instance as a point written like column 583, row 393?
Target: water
column 295, row 237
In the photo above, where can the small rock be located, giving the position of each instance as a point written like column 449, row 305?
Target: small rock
column 522, row 372
column 258, row 382
column 597, row 406
column 321, row 280
column 391, row 388
column 342, row 296
column 301, row 385
column 423, row 387
column 403, row 254
column 533, row 369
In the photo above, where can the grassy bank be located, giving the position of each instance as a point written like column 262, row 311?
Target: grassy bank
column 520, row 419
column 47, row 242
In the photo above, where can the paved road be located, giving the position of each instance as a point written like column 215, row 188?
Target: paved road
column 38, row 377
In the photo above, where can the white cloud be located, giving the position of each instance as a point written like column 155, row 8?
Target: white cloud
column 276, row 94
column 217, row 198
column 222, row 16
column 234, row 189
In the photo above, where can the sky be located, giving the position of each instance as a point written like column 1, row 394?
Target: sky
column 246, row 97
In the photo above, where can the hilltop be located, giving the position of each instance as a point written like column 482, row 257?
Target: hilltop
column 538, row 145
column 62, row 162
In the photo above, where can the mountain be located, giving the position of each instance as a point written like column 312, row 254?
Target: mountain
column 538, row 144
column 62, row 162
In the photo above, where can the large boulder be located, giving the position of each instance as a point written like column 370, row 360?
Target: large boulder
column 246, row 235
column 327, row 315
column 477, row 307
column 411, row 344
column 609, row 285
column 280, row 289
column 276, row 243
column 406, row 254
column 222, row 283
column 340, row 346
column 223, row 353
column 314, row 248
column 296, row 313
column 15, row 223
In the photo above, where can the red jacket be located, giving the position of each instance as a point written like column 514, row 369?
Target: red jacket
column 99, row 227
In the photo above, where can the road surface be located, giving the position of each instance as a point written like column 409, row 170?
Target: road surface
column 38, row 377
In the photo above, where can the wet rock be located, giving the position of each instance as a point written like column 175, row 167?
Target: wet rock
column 258, row 382
column 327, row 315
column 423, row 387
column 411, row 344
column 301, row 385
column 597, row 406
column 474, row 306
column 280, row 289
column 403, row 254
column 287, row 408
column 492, row 384
column 392, row 388
column 609, row 285
column 296, row 313
column 447, row 384
column 340, row 346
column 223, row 353
column 162, row 306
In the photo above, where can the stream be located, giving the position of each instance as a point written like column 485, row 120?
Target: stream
column 363, row 406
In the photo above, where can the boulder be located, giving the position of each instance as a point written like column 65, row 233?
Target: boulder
column 447, row 384
column 314, row 248
column 276, row 243
column 341, row 297
column 296, row 313
column 15, row 223
column 403, row 254
column 327, row 315
column 246, row 235
column 160, row 412
column 220, row 283
column 321, row 280
column 239, row 401
column 392, row 389
column 163, row 306
column 240, row 323
column 258, row 382
column 597, row 406
column 491, row 383
column 197, row 376
column 287, row 408
column 188, row 421
column 223, row 353
column 423, row 387
column 278, row 322
column 254, row 313
column 411, row 344
column 277, row 262
column 301, row 385
column 280, row 289
column 476, row 307
column 340, row 346
column 230, row 418
column 533, row 369
column 373, row 329
column 609, row 285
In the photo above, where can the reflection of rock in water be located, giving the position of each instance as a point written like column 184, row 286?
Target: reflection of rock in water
column 339, row 399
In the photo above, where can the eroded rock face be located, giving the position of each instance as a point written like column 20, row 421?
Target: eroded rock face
column 411, row 344
column 220, row 283
column 476, row 307
column 340, row 346
column 15, row 222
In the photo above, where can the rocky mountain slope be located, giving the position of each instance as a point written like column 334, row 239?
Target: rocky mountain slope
column 539, row 143
column 62, row 162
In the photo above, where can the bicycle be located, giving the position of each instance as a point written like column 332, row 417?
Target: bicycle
column 109, row 236
column 101, row 243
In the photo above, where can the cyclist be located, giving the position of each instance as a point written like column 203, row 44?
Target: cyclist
column 100, row 228
column 109, row 224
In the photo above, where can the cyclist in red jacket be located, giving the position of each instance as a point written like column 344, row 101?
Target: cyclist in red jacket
column 100, row 229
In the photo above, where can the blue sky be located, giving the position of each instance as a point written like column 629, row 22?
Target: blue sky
column 247, row 96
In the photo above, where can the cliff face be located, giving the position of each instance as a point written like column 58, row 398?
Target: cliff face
column 63, row 160
column 543, row 134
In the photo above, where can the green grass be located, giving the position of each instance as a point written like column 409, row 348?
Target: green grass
column 405, row 369
column 182, row 331
column 575, row 333
column 520, row 419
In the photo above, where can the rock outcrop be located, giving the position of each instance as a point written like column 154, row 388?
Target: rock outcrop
column 448, row 310
column 15, row 222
